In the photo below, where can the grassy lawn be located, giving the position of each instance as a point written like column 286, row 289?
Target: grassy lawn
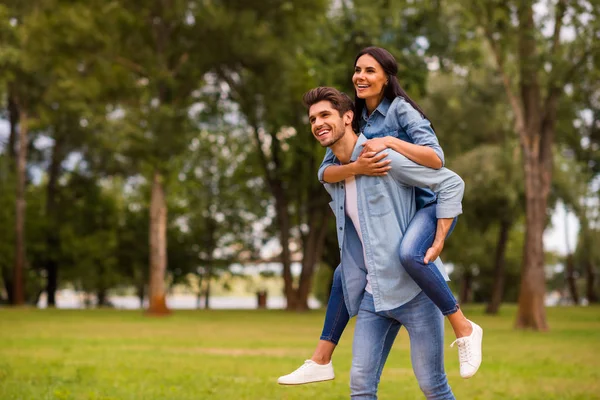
column 110, row 354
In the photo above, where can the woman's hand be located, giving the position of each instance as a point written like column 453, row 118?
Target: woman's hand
column 370, row 163
column 433, row 252
column 374, row 145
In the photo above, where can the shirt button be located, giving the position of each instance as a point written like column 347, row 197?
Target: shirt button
column 341, row 208
column 341, row 228
column 342, row 186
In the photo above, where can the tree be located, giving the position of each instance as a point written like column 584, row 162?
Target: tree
column 468, row 111
column 19, row 69
column 543, row 65
column 160, row 45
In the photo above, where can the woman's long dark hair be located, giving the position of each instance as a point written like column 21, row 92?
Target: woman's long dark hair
column 390, row 91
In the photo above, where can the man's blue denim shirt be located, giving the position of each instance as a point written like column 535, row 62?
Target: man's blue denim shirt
column 398, row 119
column 386, row 205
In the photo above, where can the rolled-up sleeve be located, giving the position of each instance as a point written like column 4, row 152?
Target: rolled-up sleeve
column 417, row 127
column 329, row 160
column 448, row 186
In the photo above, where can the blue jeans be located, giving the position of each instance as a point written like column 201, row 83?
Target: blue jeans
column 373, row 338
column 417, row 239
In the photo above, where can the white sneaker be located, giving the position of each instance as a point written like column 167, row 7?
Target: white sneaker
column 469, row 351
column 309, row 372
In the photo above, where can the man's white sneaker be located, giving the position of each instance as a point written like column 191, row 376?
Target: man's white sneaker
column 469, row 351
column 309, row 372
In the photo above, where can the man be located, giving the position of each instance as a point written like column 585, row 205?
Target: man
column 371, row 215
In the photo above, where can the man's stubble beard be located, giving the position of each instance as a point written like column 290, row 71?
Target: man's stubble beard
column 335, row 138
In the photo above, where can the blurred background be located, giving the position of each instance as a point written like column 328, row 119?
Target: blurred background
column 156, row 154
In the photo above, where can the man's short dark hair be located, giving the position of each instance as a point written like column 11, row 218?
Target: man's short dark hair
column 340, row 101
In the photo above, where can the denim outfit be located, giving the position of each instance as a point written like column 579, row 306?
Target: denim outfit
column 386, row 205
column 381, row 200
column 399, row 119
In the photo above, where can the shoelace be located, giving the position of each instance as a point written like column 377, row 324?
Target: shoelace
column 303, row 366
column 464, row 349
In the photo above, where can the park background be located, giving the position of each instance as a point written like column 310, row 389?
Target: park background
column 155, row 156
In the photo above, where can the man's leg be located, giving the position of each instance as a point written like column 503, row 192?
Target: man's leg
column 425, row 326
column 374, row 335
column 418, row 238
column 319, row 367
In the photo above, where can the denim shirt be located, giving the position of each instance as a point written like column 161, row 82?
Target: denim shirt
column 386, row 205
column 398, row 119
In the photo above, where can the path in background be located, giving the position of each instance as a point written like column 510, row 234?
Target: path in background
column 71, row 299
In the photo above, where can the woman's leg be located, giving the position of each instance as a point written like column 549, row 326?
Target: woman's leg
column 415, row 243
column 417, row 239
column 319, row 367
column 336, row 319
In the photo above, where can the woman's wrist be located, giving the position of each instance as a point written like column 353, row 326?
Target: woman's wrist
column 393, row 143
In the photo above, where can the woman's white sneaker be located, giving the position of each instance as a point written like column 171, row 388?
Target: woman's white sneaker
column 469, row 351
column 309, row 372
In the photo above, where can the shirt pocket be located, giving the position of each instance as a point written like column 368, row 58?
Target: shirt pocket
column 378, row 200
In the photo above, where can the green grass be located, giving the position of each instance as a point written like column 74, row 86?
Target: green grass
column 110, row 354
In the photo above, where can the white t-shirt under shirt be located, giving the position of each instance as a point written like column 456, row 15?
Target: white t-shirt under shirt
column 352, row 212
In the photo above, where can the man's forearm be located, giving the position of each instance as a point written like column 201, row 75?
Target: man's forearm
column 443, row 226
column 337, row 173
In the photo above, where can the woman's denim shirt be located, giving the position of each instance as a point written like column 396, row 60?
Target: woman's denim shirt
column 398, row 119
column 386, row 205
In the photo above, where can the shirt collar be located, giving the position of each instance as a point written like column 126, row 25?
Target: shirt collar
column 382, row 108
column 358, row 147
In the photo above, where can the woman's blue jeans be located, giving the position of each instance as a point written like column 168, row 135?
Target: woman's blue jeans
column 417, row 239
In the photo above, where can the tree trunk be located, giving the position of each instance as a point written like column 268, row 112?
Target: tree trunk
column 13, row 117
column 312, row 253
column 7, row 270
column 101, row 297
column 590, row 269
column 207, row 292
column 499, row 268
column 466, row 288
column 8, row 286
column 19, row 262
column 532, row 312
column 141, row 293
column 571, row 279
column 158, row 248
column 283, row 222
column 199, row 294
column 52, row 239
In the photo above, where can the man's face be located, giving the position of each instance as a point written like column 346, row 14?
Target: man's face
column 326, row 124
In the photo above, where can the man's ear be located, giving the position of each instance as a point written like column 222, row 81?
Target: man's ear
column 348, row 116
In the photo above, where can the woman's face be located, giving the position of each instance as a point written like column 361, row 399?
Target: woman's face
column 369, row 78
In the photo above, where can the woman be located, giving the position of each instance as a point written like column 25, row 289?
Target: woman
column 386, row 115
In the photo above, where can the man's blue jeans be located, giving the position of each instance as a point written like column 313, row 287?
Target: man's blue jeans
column 373, row 338
column 417, row 239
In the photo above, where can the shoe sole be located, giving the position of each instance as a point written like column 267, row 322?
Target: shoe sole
column 305, row 383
